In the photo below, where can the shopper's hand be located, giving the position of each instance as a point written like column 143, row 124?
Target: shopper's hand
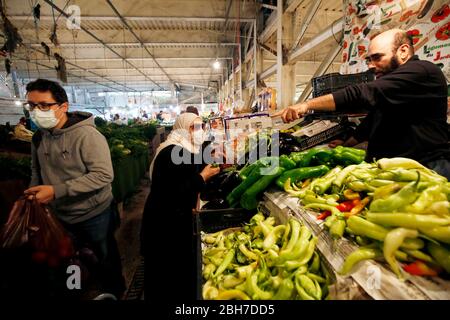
column 209, row 171
column 335, row 143
column 292, row 113
column 44, row 193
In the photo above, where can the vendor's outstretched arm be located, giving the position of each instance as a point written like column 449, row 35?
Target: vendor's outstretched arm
column 291, row 113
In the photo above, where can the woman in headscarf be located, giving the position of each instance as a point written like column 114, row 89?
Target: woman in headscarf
column 167, row 234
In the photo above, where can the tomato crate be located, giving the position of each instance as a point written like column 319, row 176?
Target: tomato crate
column 334, row 81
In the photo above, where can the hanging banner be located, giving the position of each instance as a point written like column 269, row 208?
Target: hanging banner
column 427, row 21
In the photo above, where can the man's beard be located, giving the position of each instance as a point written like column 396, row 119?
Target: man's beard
column 393, row 64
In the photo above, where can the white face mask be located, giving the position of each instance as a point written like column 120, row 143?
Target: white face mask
column 44, row 119
column 199, row 137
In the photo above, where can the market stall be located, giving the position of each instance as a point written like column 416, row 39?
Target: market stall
column 381, row 228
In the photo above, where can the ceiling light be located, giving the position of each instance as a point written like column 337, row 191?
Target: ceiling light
column 216, row 64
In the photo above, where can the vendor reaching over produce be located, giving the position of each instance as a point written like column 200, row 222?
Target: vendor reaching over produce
column 407, row 104
column 72, row 172
column 174, row 193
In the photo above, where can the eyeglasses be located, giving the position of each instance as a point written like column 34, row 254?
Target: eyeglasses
column 374, row 57
column 43, row 106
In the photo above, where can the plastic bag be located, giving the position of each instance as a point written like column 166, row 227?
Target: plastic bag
column 32, row 226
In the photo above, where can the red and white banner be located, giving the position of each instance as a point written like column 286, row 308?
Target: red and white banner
column 428, row 21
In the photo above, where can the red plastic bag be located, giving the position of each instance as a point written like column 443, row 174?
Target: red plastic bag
column 32, row 226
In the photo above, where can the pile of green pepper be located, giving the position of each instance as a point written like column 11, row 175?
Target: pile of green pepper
column 404, row 216
column 297, row 166
column 264, row 262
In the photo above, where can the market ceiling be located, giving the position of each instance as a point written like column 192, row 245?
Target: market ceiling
column 133, row 46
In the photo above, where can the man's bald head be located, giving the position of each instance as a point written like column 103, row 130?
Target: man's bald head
column 388, row 50
column 394, row 39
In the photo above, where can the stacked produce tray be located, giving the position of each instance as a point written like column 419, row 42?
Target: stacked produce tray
column 321, row 131
column 211, row 221
column 334, row 81
column 375, row 279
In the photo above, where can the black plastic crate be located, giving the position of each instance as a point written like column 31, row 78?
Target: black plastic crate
column 334, row 81
column 309, row 142
column 211, row 221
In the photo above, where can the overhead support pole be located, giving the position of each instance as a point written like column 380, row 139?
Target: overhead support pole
column 255, row 58
column 68, row 73
column 312, row 10
column 279, row 51
column 267, row 49
column 285, row 72
column 327, row 61
column 49, row 2
column 143, row 19
column 268, row 6
column 335, row 30
column 78, row 68
column 292, row 5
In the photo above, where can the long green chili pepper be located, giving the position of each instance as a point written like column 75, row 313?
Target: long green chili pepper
column 324, row 183
column 407, row 220
column 440, row 254
column 419, row 255
column 257, row 292
column 225, row 263
column 337, row 229
column 340, row 177
column 362, row 227
column 438, row 233
column 272, row 237
column 315, row 264
column 405, row 196
column 392, row 242
column 285, row 290
column 308, row 285
column 357, row 256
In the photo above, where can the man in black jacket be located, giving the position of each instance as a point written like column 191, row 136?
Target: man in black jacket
column 407, row 103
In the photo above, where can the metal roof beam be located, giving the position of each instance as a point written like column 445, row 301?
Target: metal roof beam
column 334, row 30
column 162, row 19
column 146, row 44
column 99, row 40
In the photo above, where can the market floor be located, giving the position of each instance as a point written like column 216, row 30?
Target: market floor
column 128, row 241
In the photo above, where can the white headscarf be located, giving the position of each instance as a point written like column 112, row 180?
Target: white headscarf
column 179, row 136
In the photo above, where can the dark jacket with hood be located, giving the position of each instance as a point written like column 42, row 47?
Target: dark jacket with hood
column 76, row 161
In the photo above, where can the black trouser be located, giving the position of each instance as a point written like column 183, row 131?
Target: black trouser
column 97, row 234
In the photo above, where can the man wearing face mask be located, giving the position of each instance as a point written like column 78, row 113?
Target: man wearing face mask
column 407, row 104
column 72, row 173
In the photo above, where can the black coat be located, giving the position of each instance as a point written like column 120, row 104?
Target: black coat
column 408, row 112
column 167, row 229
